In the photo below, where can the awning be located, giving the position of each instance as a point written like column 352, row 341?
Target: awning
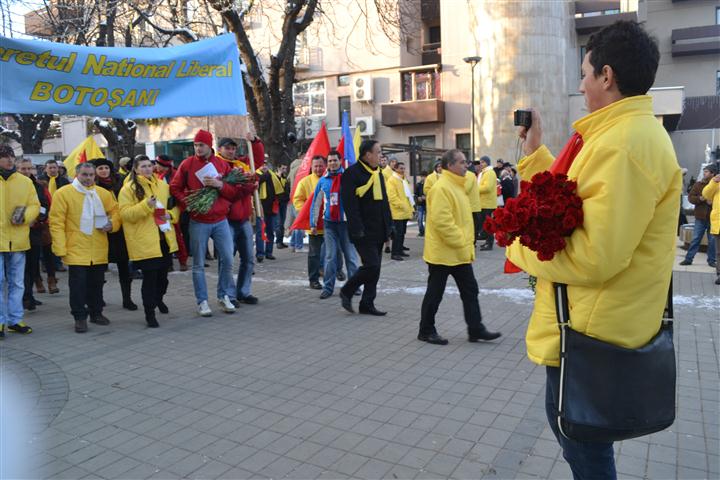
column 700, row 113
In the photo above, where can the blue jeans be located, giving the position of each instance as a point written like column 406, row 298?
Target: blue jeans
column 12, row 287
column 701, row 227
column 262, row 247
column 222, row 237
column 587, row 460
column 337, row 239
column 421, row 219
column 243, row 237
column 296, row 238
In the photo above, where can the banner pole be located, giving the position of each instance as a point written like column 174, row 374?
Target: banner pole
column 251, row 158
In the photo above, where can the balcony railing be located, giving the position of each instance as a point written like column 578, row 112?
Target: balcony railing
column 413, row 112
column 431, row 54
column 593, row 15
column 429, row 10
column 696, row 41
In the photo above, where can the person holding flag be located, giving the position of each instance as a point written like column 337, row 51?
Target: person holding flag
column 327, row 197
column 304, row 193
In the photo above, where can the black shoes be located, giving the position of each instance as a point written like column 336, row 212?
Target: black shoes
column 346, row 302
column 280, row 245
column 405, row 254
column 717, row 280
column 686, row 262
column 325, row 294
column 371, row 311
column 405, row 249
column 21, row 327
column 81, row 325
column 387, row 249
column 130, row 305
column 483, row 334
column 486, row 247
column 100, row 320
column 151, row 320
column 315, row 285
column 341, row 276
column 433, row 338
column 162, row 307
column 270, row 257
column 249, row 300
column 399, row 258
column 259, row 258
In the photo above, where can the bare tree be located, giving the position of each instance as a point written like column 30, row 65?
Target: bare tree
column 30, row 132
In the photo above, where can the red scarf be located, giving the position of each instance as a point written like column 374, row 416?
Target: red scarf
column 562, row 164
column 335, row 213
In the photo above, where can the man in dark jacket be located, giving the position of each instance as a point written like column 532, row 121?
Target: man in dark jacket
column 365, row 200
column 204, row 169
column 702, row 219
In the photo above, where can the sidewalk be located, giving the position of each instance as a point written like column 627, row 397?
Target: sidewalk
column 296, row 388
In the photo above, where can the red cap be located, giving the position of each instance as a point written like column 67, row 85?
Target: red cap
column 203, row 136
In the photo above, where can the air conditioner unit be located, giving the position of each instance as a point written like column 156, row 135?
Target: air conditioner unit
column 366, row 125
column 308, row 127
column 362, row 88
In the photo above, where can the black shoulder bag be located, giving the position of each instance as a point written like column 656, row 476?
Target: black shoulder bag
column 609, row 393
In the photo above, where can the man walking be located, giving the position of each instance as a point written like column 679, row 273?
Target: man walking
column 702, row 218
column 449, row 250
column 487, row 187
column 204, row 169
column 420, row 202
column 365, row 200
column 19, row 207
column 402, row 205
column 53, row 178
column 303, row 191
column 80, row 218
column 327, row 197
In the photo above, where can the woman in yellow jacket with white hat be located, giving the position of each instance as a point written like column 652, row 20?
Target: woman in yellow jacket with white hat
column 149, row 236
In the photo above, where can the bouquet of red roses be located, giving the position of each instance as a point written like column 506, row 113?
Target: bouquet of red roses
column 547, row 210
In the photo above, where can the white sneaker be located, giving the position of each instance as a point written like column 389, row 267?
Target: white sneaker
column 204, row 309
column 226, row 305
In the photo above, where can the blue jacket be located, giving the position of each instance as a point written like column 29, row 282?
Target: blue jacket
column 322, row 190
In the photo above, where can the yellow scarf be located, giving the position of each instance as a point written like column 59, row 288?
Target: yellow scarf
column 52, row 186
column 276, row 184
column 374, row 182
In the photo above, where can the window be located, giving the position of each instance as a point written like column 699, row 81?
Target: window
column 425, row 162
column 462, row 142
column 343, row 80
column 717, row 83
column 420, row 85
column 717, row 15
column 434, row 34
column 343, row 106
column 309, row 98
column 583, row 51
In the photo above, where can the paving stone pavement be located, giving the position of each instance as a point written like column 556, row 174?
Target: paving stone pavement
column 296, row 388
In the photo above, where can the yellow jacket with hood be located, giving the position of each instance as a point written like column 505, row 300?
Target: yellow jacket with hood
column 617, row 265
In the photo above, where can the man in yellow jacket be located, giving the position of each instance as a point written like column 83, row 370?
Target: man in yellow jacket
column 80, row 219
column 19, row 207
column 402, row 205
column 618, row 264
column 449, row 250
column 303, row 192
column 711, row 193
column 487, row 188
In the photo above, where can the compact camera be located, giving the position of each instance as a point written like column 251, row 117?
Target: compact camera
column 523, row 118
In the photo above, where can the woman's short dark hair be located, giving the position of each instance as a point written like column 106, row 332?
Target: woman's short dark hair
column 630, row 51
column 448, row 158
column 366, row 146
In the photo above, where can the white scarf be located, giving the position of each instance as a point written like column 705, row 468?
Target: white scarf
column 406, row 187
column 93, row 212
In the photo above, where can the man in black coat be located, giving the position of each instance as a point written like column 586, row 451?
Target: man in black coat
column 365, row 201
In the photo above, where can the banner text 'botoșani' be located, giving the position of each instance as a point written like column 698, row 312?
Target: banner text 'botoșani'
column 97, row 97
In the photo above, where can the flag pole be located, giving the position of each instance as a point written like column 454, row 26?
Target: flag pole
column 251, row 158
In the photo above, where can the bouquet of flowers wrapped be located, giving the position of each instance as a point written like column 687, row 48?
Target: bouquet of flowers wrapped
column 547, row 210
column 201, row 201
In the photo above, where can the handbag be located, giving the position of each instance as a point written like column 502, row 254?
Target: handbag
column 609, row 393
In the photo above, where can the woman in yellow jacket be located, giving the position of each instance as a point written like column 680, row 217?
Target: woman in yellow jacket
column 402, row 205
column 149, row 235
column 711, row 193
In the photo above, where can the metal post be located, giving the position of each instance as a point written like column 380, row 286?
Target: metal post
column 473, row 61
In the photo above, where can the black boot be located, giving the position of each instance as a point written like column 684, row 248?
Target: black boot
column 150, row 318
column 128, row 304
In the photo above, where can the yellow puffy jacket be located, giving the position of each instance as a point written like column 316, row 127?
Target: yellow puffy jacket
column 473, row 191
column 449, row 230
column 142, row 234
column 430, row 180
column 17, row 191
column 387, row 172
column 488, row 189
column 68, row 241
column 400, row 207
column 617, row 265
column 304, row 189
column 711, row 192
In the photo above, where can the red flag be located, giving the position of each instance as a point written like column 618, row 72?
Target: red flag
column 341, row 148
column 302, row 221
column 319, row 146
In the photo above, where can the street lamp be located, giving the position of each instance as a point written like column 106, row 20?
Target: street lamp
column 472, row 61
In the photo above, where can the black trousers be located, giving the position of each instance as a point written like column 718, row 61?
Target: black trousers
column 468, row 287
column 399, row 228
column 315, row 243
column 367, row 275
column 86, row 288
column 48, row 260
column 154, row 287
column 32, row 270
column 488, row 237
